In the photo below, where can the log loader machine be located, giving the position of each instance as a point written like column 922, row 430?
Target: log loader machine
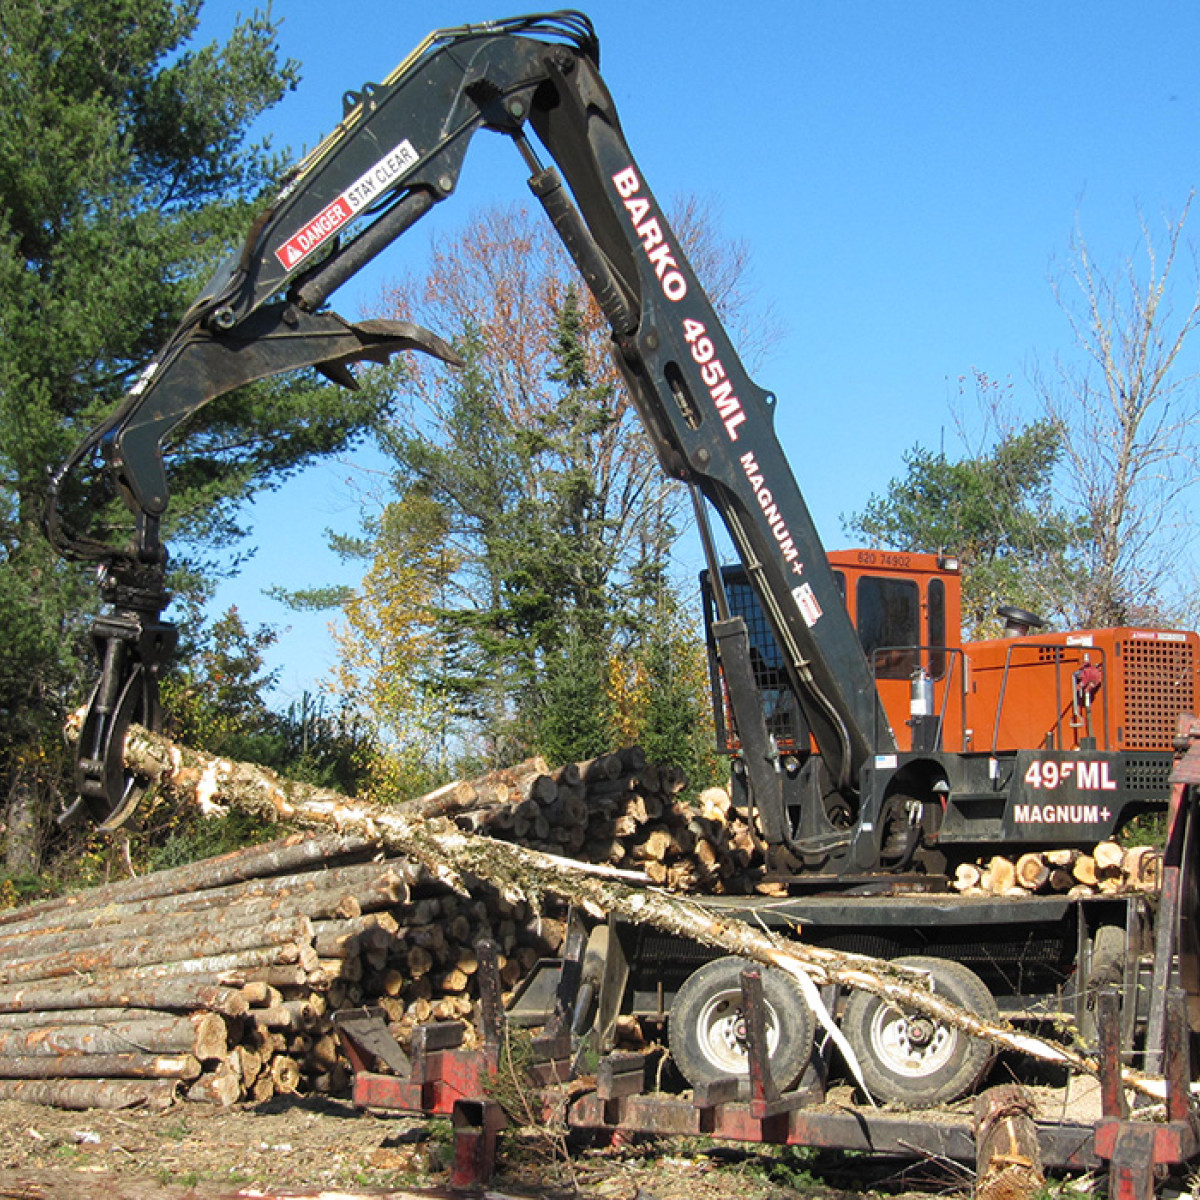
column 870, row 747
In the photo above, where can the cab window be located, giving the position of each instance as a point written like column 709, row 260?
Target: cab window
column 936, row 596
column 889, row 619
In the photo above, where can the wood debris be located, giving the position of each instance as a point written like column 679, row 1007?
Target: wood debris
column 218, row 980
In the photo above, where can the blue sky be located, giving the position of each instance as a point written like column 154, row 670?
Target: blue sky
column 907, row 177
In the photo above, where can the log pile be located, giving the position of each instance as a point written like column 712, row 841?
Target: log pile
column 128, row 993
column 519, row 875
column 1109, row 870
column 219, row 980
column 620, row 810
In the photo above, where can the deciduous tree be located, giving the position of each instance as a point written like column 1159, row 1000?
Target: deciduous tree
column 1125, row 402
column 1084, row 513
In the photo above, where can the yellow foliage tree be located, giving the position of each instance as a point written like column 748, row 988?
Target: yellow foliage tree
column 389, row 641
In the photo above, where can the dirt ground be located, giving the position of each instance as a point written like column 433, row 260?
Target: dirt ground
column 302, row 1147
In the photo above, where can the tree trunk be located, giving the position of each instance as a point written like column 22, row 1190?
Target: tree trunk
column 92, row 1093
column 185, row 993
column 209, row 944
column 1008, row 1156
column 291, row 853
column 369, row 887
column 128, row 1065
column 203, row 1035
column 24, row 819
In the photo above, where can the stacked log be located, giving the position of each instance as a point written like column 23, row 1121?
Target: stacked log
column 219, row 980
column 125, row 994
column 225, row 990
column 620, row 810
column 1109, row 870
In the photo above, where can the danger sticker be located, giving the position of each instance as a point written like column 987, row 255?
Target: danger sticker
column 370, row 184
column 807, row 603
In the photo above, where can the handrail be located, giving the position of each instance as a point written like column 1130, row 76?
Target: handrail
column 1059, row 661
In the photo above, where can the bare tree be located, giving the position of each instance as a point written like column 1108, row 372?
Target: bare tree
column 1129, row 415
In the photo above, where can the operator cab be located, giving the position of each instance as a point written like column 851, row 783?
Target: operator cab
column 906, row 609
column 1035, row 699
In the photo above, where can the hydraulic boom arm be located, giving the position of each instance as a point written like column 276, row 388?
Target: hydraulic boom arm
column 397, row 152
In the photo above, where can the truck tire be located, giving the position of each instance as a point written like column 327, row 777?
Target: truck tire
column 706, row 1031
column 911, row 1059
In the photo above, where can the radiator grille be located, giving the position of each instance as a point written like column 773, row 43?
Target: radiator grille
column 1147, row 776
column 1159, row 685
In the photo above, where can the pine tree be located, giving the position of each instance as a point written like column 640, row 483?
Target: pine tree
column 555, row 507
column 125, row 177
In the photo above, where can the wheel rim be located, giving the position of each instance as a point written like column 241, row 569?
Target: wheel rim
column 721, row 1031
column 914, row 1047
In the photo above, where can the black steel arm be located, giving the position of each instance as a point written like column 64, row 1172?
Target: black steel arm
column 398, row 151
column 711, row 424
